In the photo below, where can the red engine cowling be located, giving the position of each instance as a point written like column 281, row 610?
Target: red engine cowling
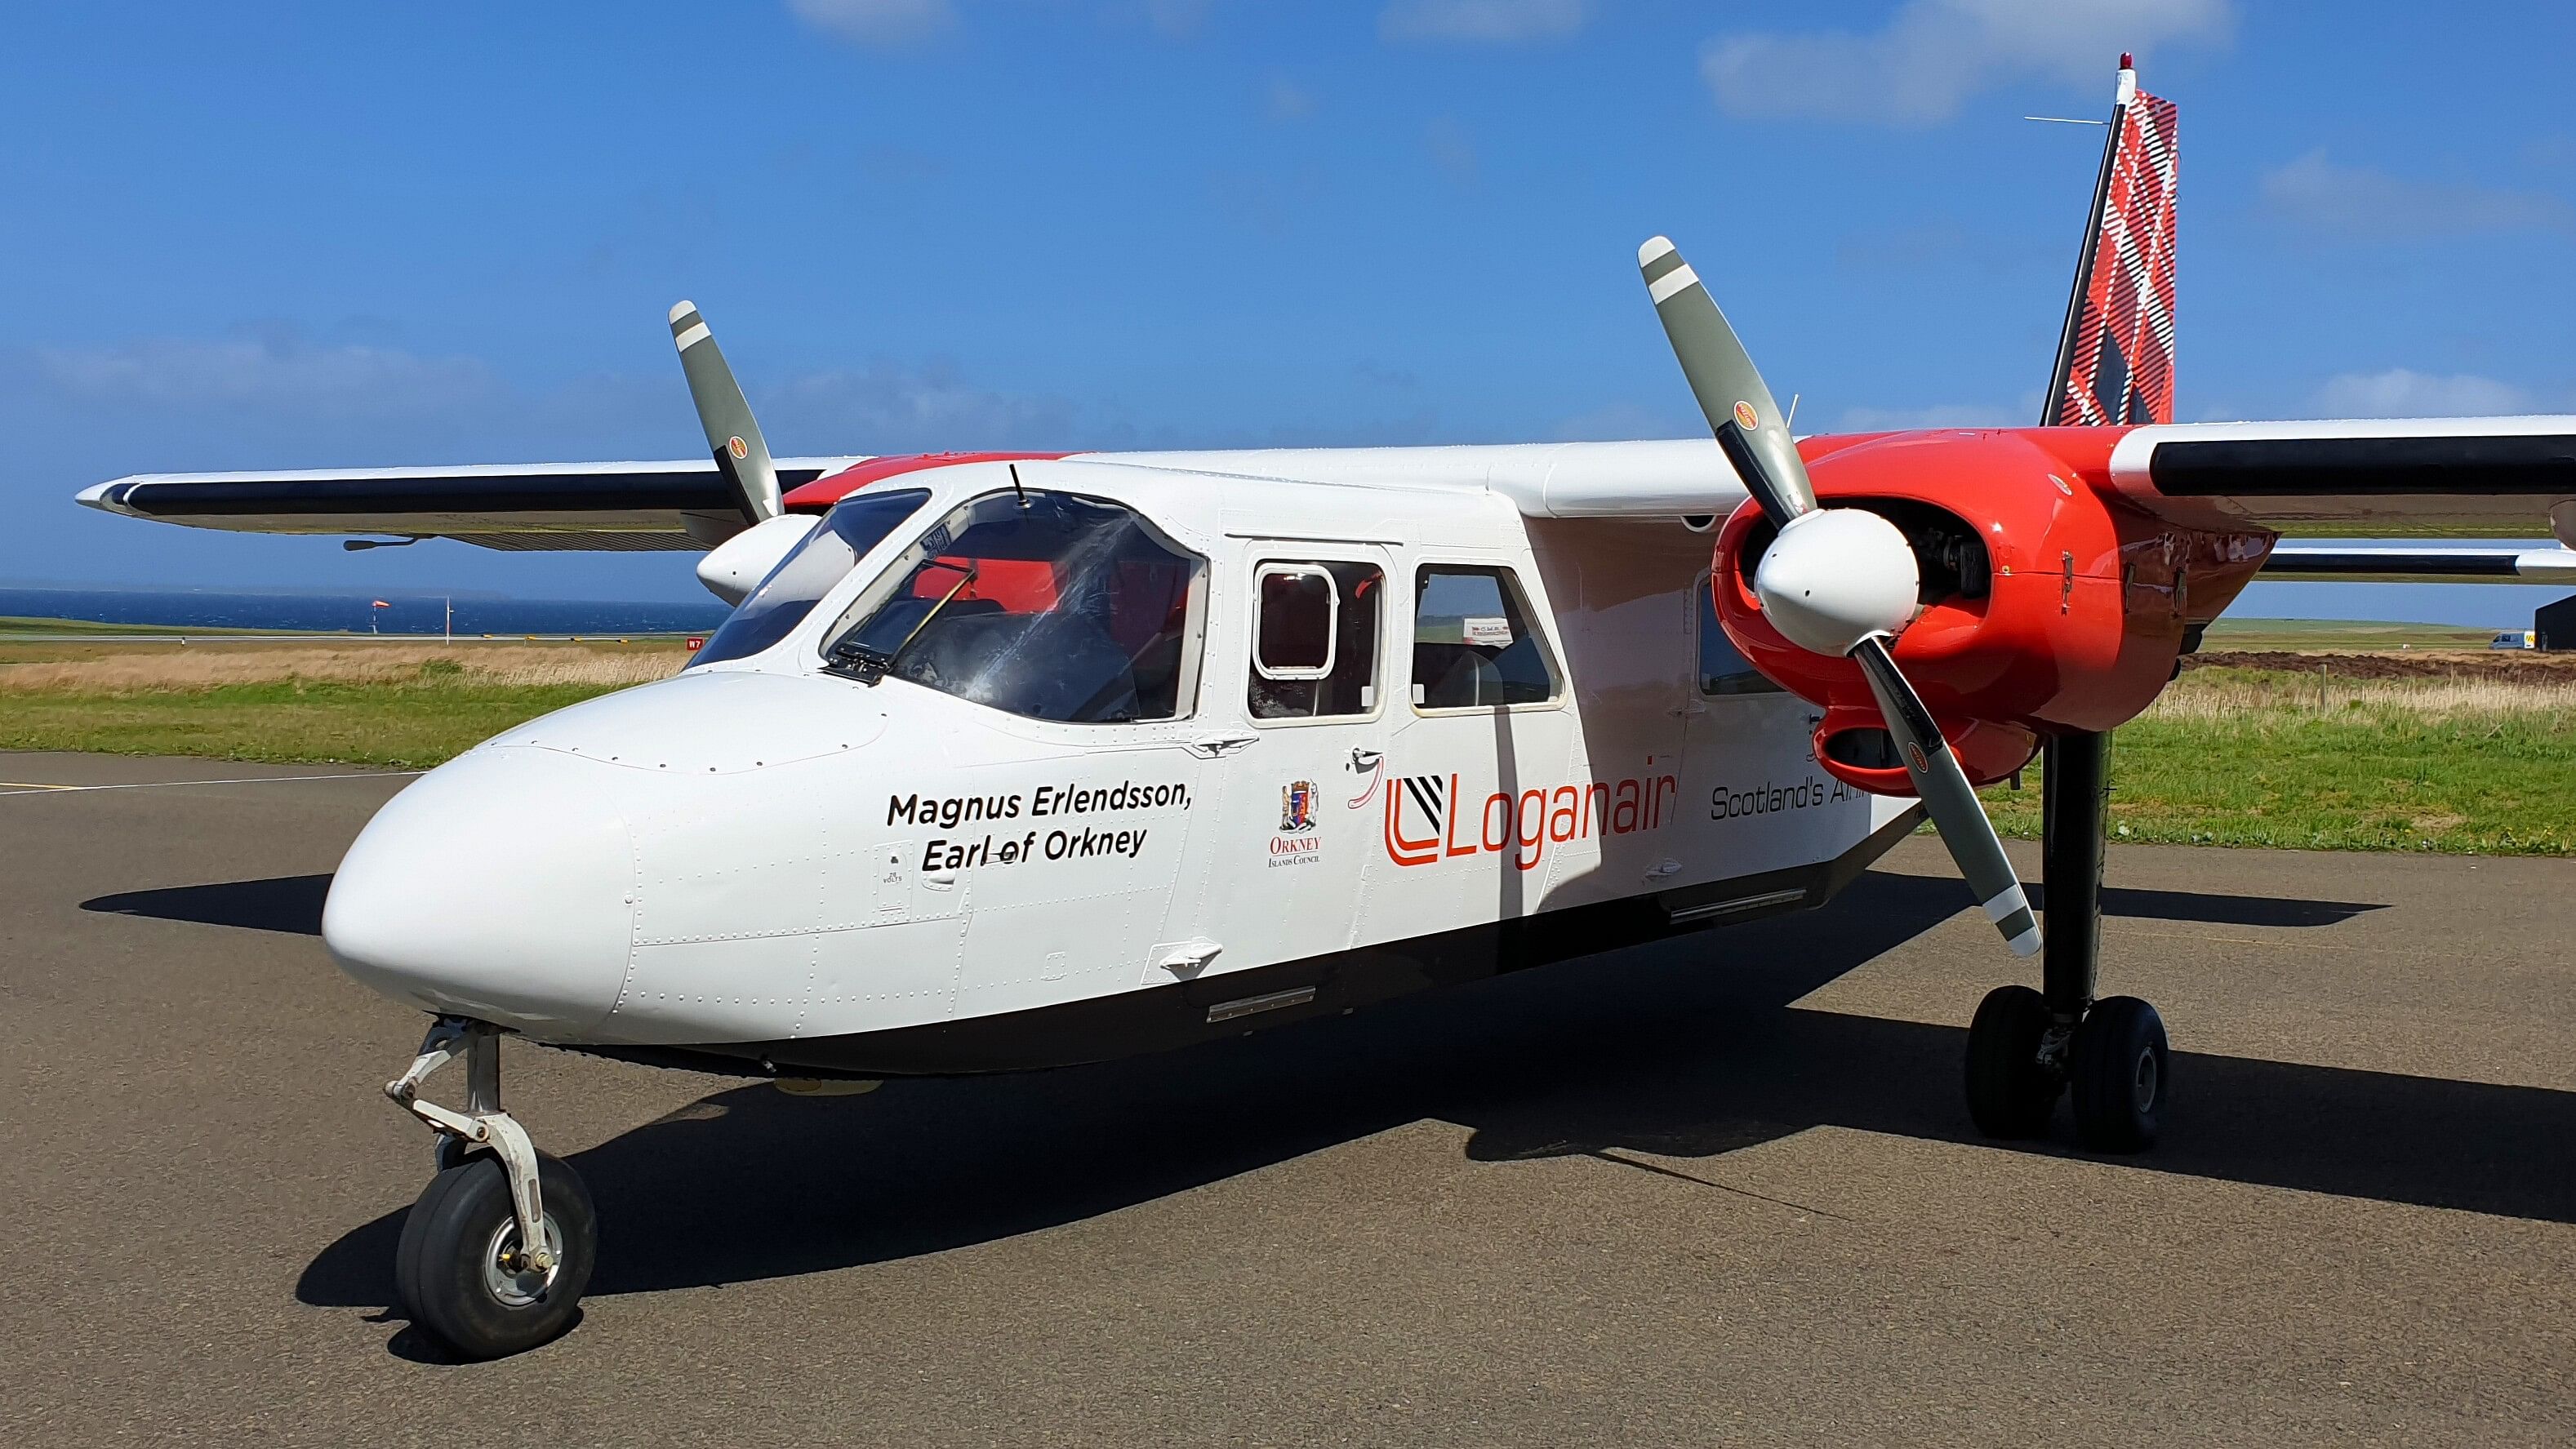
column 2047, row 605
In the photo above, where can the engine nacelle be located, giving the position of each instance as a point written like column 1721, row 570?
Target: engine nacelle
column 2044, row 605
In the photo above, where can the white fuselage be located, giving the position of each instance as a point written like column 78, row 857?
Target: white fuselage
column 764, row 860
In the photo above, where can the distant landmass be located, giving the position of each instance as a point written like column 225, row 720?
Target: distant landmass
column 356, row 612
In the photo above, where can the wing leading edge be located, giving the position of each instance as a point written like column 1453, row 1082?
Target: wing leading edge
column 675, row 505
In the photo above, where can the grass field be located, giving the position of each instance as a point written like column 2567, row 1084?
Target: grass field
column 401, row 705
column 2363, row 749
column 2474, row 754
column 2310, row 635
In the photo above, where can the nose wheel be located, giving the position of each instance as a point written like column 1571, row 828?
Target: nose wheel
column 496, row 1252
column 465, row 1273
column 2026, row 1048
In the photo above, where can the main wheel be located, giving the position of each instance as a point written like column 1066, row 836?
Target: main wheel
column 2009, row 1093
column 456, row 1270
column 2118, row 1075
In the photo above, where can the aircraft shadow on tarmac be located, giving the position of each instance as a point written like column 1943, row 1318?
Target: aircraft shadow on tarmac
column 287, row 903
column 293, row 904
column 1686, row 1049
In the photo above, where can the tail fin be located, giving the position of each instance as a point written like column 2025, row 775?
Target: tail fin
column 2115, row 357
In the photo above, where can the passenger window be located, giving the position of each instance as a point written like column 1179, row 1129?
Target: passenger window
column 1473, row 642
column 1722, row 669
column 1315, row 640
column 1048, row 605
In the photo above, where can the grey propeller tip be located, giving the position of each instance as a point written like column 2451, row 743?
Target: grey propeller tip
column 680, row 310
column 1656, row 246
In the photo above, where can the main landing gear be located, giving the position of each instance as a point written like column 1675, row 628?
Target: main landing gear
column 496, row 1252
column 2025, row 1047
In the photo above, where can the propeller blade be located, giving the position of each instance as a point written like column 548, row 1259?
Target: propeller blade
column 1951, row 799
column 1748, row 423
column 731, row 430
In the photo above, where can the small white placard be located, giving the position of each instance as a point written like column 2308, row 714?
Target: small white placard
column 1492, row 630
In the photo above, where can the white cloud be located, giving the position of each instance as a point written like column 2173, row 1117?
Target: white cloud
column 1934, row 54
column 884, row 408
column 272, row 371
column 1178, row 19
column 2363, row 202
column 876, row 22
column 279, row 386
column 1484, row 22
column 1289, row 102
column 2404, row 393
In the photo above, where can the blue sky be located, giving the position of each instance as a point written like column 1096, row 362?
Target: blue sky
column 360, row 235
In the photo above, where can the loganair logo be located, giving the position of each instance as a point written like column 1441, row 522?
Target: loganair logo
column 1429, row 819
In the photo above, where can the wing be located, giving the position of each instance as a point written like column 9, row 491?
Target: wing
column 2392, row 477
column 1686, row 478
column 679, row 505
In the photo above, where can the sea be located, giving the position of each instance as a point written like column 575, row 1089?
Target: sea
column 356, row 613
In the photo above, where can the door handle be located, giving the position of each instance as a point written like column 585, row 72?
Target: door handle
column 1363, row 761
column 1218, row 746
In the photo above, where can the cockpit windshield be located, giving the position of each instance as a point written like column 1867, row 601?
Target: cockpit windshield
column 856, row 524
column 1045, row 604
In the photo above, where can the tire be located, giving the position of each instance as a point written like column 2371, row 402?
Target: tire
column 452, row 1152
column 2119, row 1073
column 445, row 1271
column 2009, row 1094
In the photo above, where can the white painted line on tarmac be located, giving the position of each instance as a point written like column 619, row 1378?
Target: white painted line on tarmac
column 29, row 787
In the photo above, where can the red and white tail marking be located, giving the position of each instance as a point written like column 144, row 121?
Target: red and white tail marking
column 2118, row 365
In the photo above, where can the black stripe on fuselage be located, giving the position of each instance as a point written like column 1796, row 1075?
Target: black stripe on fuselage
column 1425, row 790
column 2542, row 464
column 493, row 494
column 1162, row 1017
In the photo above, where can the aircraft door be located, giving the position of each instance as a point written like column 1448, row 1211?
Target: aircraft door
column 1481, row 803
column 1298, row 812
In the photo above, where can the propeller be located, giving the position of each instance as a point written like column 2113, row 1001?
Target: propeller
column 731, row 430
column 1838, row 581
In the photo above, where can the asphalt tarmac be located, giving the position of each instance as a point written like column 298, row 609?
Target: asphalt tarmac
column 1720, row 1190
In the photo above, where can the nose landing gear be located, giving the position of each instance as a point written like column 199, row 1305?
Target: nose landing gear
column 2026, row 1047
column 499, row 1247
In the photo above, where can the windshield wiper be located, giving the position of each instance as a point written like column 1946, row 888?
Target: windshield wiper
column 854, row 660
column 970, row 574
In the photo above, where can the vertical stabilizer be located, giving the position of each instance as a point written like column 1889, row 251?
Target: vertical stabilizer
column 2115, row 356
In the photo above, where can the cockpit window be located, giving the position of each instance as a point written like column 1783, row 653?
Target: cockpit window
column 1044, row 604
column 856, row 524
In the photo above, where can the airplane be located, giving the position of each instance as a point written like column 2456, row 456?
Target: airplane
column 1007, row 761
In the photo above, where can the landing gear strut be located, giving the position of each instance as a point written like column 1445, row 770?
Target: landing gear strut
column 496, row 1252
column 2025, row 1047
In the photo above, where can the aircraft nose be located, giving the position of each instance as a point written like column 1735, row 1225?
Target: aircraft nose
column 498, row 886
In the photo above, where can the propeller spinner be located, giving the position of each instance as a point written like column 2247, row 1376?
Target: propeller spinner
column 1836, row 581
